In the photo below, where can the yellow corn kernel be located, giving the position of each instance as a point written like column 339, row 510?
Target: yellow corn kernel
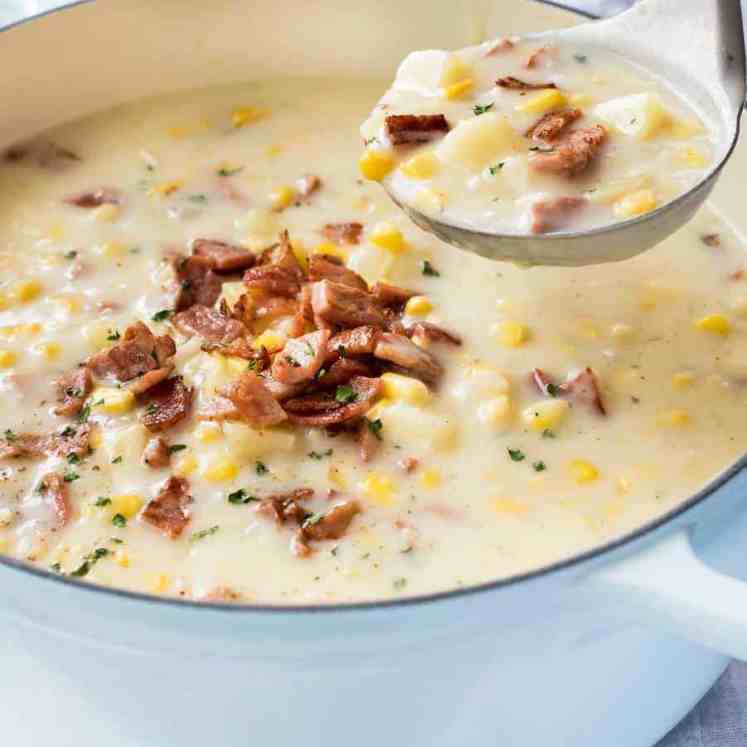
column 96, row 438
column 112, row 249
column 127, row 504
column 496, row 411
column 458, row 89
column 48, row 350
column 623, row 485
column 337, row 478
column 683, row 380
column 331, row 250
column 122, row 558
column 7, row 358
column 164, row 189
column 431, row 478
column 244, row 115
column 716, row 324
column 222, row 469
column 379, row 488
column 583, row 471
column 430, row 200
column 418, row 306
column 682, row 129
column 27, row 290
column 387, row 236
column 636, row 203
column 509, row 506
column 281, row 197
column 4, row 544
column 375, row 164
column 692, row 158
column 273, row 150
column 160, row 583
column 18, row 330
column 545, row 414
column 579, row 99
column 271, row 340
column 185, row 465
column 396, row 387
column 113, row 401
column 5, row 301
column 71, row 304
column 420, row 166
column 676, row 418
column 107, row 213
column 300, row 253
column 511, row 334
column 207, row 432
column 543, row 102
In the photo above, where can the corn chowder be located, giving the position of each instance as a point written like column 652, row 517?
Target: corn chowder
column 230, row 370
column 515, row 136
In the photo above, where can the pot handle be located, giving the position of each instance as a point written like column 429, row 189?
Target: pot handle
column 676, row 590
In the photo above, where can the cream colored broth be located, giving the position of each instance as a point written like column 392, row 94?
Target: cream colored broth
column 664, row 334
column 492, row 171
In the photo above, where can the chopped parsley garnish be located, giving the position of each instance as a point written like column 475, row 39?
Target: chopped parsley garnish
column 539, row 466
column 400, row 583
column 67, row 432
column 553, row 390
column 119, row 521
column 319, row 455
column 162, row 315
column 428, row 269
column 113, row 335
column 479, row 109
column 102, row 501
column 89, row 561
column 341, row 351
column 84, row 414
column 151, row 409
column 261, row 468
column 224, row 171
column 313, row 519
column 582, row 59
column 240, row 497
column 176, row 447
column 56, row 567
column 291, row 361
column 72, row 254
column 200, row 199
column 309, row 348
column 10, row 436
column 517, row 455
column 73, row 459
column 117, row 460
column 370, row 140
column 345, row 394
column 253, row 365
column 375, row 427
column 547, row 433
column 70, row 476
column 495, row 169
column 197, row 536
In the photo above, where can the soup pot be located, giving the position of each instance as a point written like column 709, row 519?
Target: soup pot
column 609, row 648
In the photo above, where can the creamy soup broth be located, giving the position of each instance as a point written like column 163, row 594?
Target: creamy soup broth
column 484, row 475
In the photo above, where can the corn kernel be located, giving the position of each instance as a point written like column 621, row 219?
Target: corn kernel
column 127, row 504
column 509, row 506
column 496, row 411
column 300, row 253
column 636, row 203
column 107, row 213
column 337, row 478
column 245, row 115
column 273, row 150
column 396, row 387
column 387, row 236
column 112, row 249
column 430, row 200
column 683, row 380
column 222, row 469
column 271, row 340
column 208, row 432
column 458, row 89
column 545, row 414
column 379, row 489
column 121, row 558
column 692, row 158
column 375, row 164
column 543, row 102
column 7, row 358
column 160, row 583
column 96, row 438
column 420, row 166
column 71, row 304
column 164, row 189
column 185, row 465
column 331, row 250
column 418, row 306
column 431, row 478
column 113, row 401
column 716, row 324
column 676, row 418
column 27, row 290
column 282, row 197
column 49, row 350
column 583, row 471
column 511, row 334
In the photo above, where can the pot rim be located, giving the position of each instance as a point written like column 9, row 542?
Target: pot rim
column 567, row 563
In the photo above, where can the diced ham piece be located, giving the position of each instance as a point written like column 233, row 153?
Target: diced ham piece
column 408, row 357
column 356, row 341
column 368, row 442
column 572, row 155
column 344, row 306
column 548, row 128
column 72, row 390
column 156, row 453
column 341, row 371
column 94, row 198
column 405, row 129
column 324, row 267
column 168, row 510
column 536, row 57
column 346, row 233
column 209, row 323
column 432, row 333
column 285, row 507
column 198, row 283
column 241, row 348
column 53, row 487
column 149, row 380
column 500, row 46
column 308, row 184
column 324, row 409
column 301, row 358
column 516, row 84
column 279, row 390
column 278, row 272
column 225, row 257
column 69, row 441
column 712, row 240
column 254, row 401
column 166, row 404
column 555, row 213
column 218, row 409
column 333, row 523
column 391, row 296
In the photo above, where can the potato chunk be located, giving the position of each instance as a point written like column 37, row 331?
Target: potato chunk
column 641, row 115
column 475, row 143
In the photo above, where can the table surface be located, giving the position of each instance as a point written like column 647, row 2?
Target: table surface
column 720, row 719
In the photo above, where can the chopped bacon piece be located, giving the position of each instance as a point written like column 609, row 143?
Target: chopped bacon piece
column 573, row 154
column 344, row 306
column 356, row 341
column 278, row 272
column 71, row 440
column 324, row 267
column 241, row 348
column 500, row 45
column 555, row 213
column 551, row 126
column 167, row 403
column 53, row 486
column 391, row 295
column 536, row 57
column 368, row 442
column 323, row 409
column 286, row 506
column 583, row 388
column 156, row 453
column 280, row 390
column 737, row 275
column 218, row 408
column 168, row 510
column 341, row 371
column 712, row 240
column 94, row 198
column 149, row 380
column 198, row 283
column 408, row 464
column 208, row 323
column 72, row 390
column 404, row 129
column 301, row 358
column 433, row 333
column 408, row 357
column 308, row 184
column 333, row 523
column 225, row 257
column 516, row 84
column 254, row 401
column 138, row 352
column 348, row 233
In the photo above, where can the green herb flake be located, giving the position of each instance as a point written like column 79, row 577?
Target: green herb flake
column 400, row 583
column 319, row 455
column 345, row 394
column 479, row 109
column 56, row 567
column 72, row 254
column 102, row 501
column 119, row 521
column 151, row 409
column 370, row 140
column 84, row 414
column 313, row 519
column 10, row 436
column 176, row 447
column 73, row 459
column 553, row 390
column 113, row 335
column 67, row 432
column 89, row 561
column 117, row 460
column 198, row 199
column 70, row 476
column 495, row 169
column 229, row 172
column 517, row 455
column 240, row 497
column 547, row 433
column 261, row 468
column 375, row 427
column 197, row 536
column 162, row 315
column 539, row 466
column 582, row 59
column 428, row 269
